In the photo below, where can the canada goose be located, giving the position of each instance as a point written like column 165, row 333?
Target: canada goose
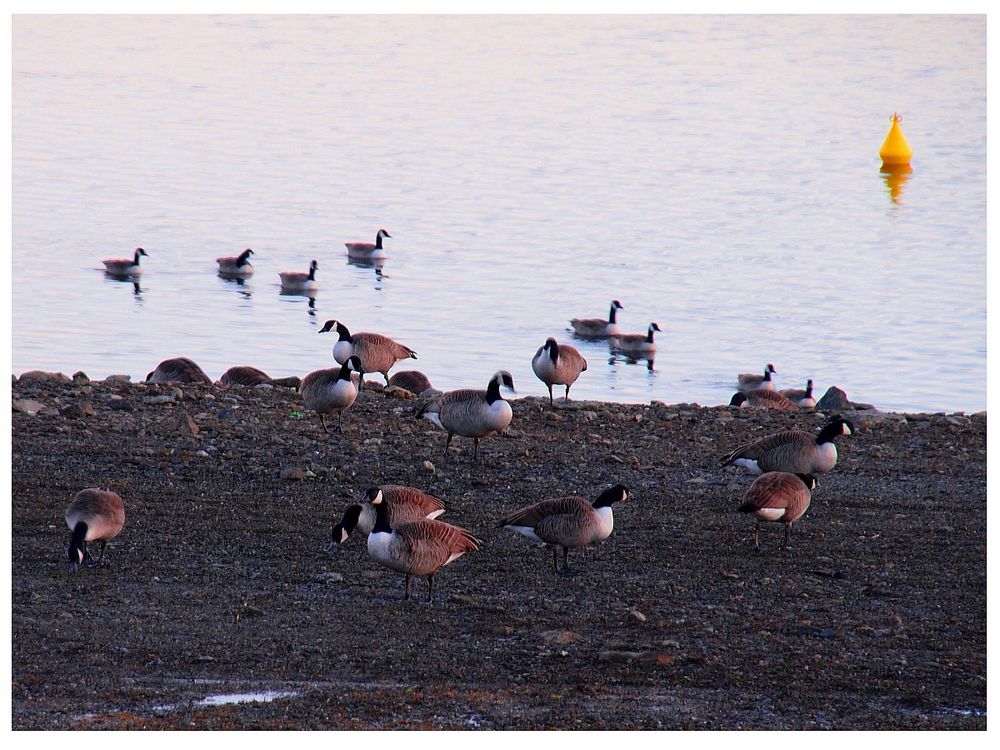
column 125, row 267
column 802, row 398
column 178, row 370
column 412, row 380
column 557, row 364
column 405, row 504
column 778, row 496
column 567, row 522
column 296, row 281
column 416, row 548
column 471, row 413
column 763, row 400
column 331, row 390
column 378, row 353
column 244, row 375
column 747, row 381
column 793, row 451
column 597, row 328
column 94, row 515
column 636, row 344
column 366, row 250
column 236, row 266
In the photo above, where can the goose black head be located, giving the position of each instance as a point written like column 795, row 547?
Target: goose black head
column 504, row 378
column 738, row 399
column 140, row 251
column 770, row 369
column 617, row 305
column 654, row 327
column 355, row 363
column 383, row 233
column 616, row 494
column 808, row 480
column 330, row 325
column 552, row 347
column 346, row 525
column 373, row 495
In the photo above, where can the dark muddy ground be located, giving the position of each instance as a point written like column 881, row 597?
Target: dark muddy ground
column 875, row 618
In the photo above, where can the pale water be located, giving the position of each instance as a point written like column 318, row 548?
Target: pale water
column 719, row 175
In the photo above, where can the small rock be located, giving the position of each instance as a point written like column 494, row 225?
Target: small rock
column 187, row 425
column 78, row 411
column 117, row 403
column 394, row 391
column 833, row 400
column 637, row 615
column 28, row 406
column 45, row 377
column 620, row 656
column 561, row 637
column 293, row 472
column 157, row 400
column 329, row 577
column 201, row 453
column 429, row 466
column 118, row 379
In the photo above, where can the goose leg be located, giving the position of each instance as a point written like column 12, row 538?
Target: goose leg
column 555, row 558
column 475, row 453
column 406, row 588
column 567, row 393
column 788, row 527
column 447, row 443
column 551, row 402
column 756, row 536
column 100, row 560
column 430, row 588
column 565, row 568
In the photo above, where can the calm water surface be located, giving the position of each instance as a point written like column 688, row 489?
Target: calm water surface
column 718, row 175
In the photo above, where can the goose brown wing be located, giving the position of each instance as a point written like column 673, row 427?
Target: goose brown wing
column 772, row 490
column 571, row 362
column 428, row 545
column 532, row 515
column 776, row 444
column 401, row 496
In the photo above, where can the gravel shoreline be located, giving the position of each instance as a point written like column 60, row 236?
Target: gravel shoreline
column 874, row 618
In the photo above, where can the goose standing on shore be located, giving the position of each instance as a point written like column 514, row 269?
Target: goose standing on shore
column 124, row 266
column 368, row 250
column 802, row 398
column 471, row 413
column 405, row 504
column 566, row 522
column 636, row 345
column 416, row 548
column 778, row 496
column 747, row 381
column 597, row 328
column 377, row 353
column 178, row 370
column 557, row 364
column 94, row 515
column 298, row 282
column 236, row 266
column 331, row 391
column 792, row 451
column 763, row 400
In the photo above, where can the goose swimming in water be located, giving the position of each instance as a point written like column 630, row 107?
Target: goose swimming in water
column 238, row 266
column 125, row 267
column 747, row 381
column 296, row 281
column 597, row 328
column 368, row 250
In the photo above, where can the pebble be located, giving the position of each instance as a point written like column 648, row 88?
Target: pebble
column 429, row 466
column 28, row 406
column 329, row 577
column 156, row 400
column 293, row 473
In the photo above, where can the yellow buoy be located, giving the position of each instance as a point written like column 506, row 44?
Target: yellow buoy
column 895, row 151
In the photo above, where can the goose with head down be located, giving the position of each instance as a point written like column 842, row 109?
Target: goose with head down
column 405, row 504
column 416, row 548
column 557, row 364
column 778, row 496
column 178, row 370
column 94, row 515
column 238, row 266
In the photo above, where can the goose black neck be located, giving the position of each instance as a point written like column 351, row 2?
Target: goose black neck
column 347, row 524
column 244, row 258
column 809, row 389
column 649, row 335
column 378, row 241
column 493, row 391
column 382, row 517
column 612, row 314
column 554, row 352
column 345, row 371
column 767, row 374
column 345, row 335
column 77, row 540
column 312, row 273
column 135, row 259
column 610, row 496
column 829, row 432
